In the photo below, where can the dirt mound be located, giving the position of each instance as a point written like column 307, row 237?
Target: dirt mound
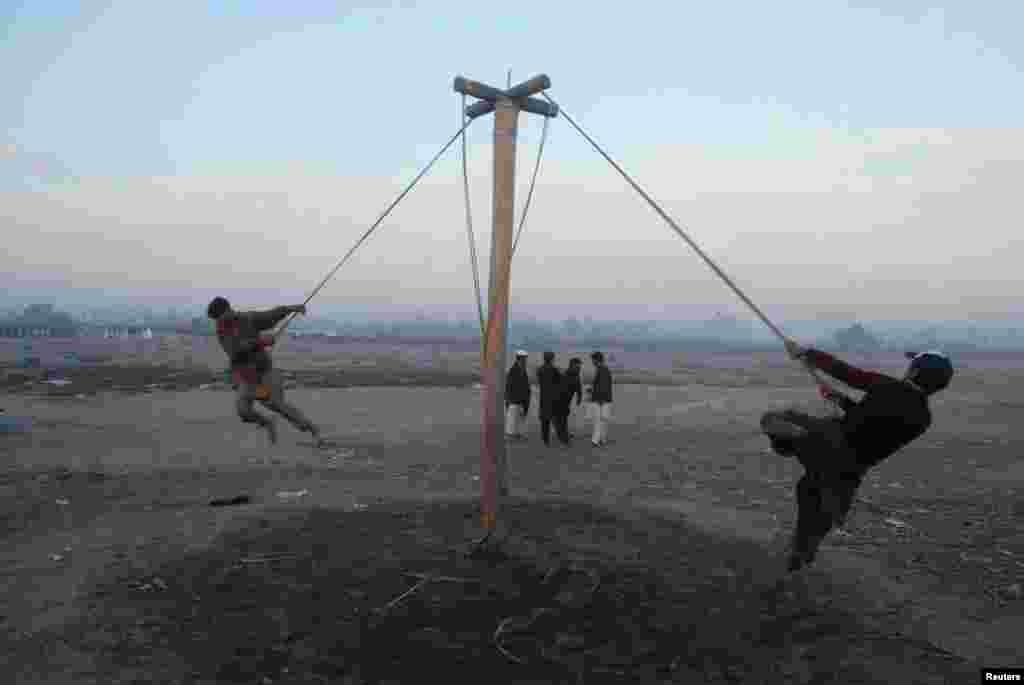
column 387, row 594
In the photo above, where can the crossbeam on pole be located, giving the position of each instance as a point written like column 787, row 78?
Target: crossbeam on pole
column 489, row 96
column 531, row 105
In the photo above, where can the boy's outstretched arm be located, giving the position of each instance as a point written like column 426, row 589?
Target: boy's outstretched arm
column 266, row 320
column 848, row 374
column 841, row 400
column 838, row 369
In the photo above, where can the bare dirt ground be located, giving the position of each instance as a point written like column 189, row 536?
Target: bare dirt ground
column 115, row 568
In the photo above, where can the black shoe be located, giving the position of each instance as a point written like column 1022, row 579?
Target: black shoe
column 802, row 553
column 794, row 563
column 778, row 427
column 783, row 447
column 799, row 559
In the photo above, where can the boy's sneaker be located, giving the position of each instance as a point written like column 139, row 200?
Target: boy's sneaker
column 801, row 553
column 784, row 447
column 794, row 562
column 778, row 428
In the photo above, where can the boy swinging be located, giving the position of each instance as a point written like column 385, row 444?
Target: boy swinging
column 240, row 335
column 836, row 453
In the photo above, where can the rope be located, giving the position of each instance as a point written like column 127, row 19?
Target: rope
column 533, row 183
column 376, row 223
column 474, row 262
column 682, row 234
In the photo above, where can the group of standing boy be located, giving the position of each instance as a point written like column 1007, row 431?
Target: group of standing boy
column 558, row 389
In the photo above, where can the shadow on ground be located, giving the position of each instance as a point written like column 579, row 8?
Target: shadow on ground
column 583, row 595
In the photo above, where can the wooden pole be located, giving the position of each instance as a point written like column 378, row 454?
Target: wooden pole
column 494, row 466
column 506, row 105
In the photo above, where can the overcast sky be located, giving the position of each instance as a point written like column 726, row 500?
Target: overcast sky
column 835, row 158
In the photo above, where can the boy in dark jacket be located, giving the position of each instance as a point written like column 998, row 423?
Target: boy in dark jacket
column 836, row 453
column 571, row 388
column 253, row 375
column 601, row 399
column 517, row 397
column 549, row 380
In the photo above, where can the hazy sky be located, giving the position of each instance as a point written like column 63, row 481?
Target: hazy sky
column 833, row 157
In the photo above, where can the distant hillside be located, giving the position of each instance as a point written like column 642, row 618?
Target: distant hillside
column 720, row 332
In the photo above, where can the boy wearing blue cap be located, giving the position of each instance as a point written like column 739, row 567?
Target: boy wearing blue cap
column 836, row 453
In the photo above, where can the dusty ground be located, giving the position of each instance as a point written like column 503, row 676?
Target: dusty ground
column 114, row 568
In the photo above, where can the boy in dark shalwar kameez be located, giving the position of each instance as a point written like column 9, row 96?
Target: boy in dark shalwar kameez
column 836, row 453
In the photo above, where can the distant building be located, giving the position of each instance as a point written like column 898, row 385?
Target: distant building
column 857, row 339
column 39, row 321
column 128, row 332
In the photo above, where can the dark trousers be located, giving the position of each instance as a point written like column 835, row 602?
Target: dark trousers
column 825, row 492
column 562, row 427
column 561, row 423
